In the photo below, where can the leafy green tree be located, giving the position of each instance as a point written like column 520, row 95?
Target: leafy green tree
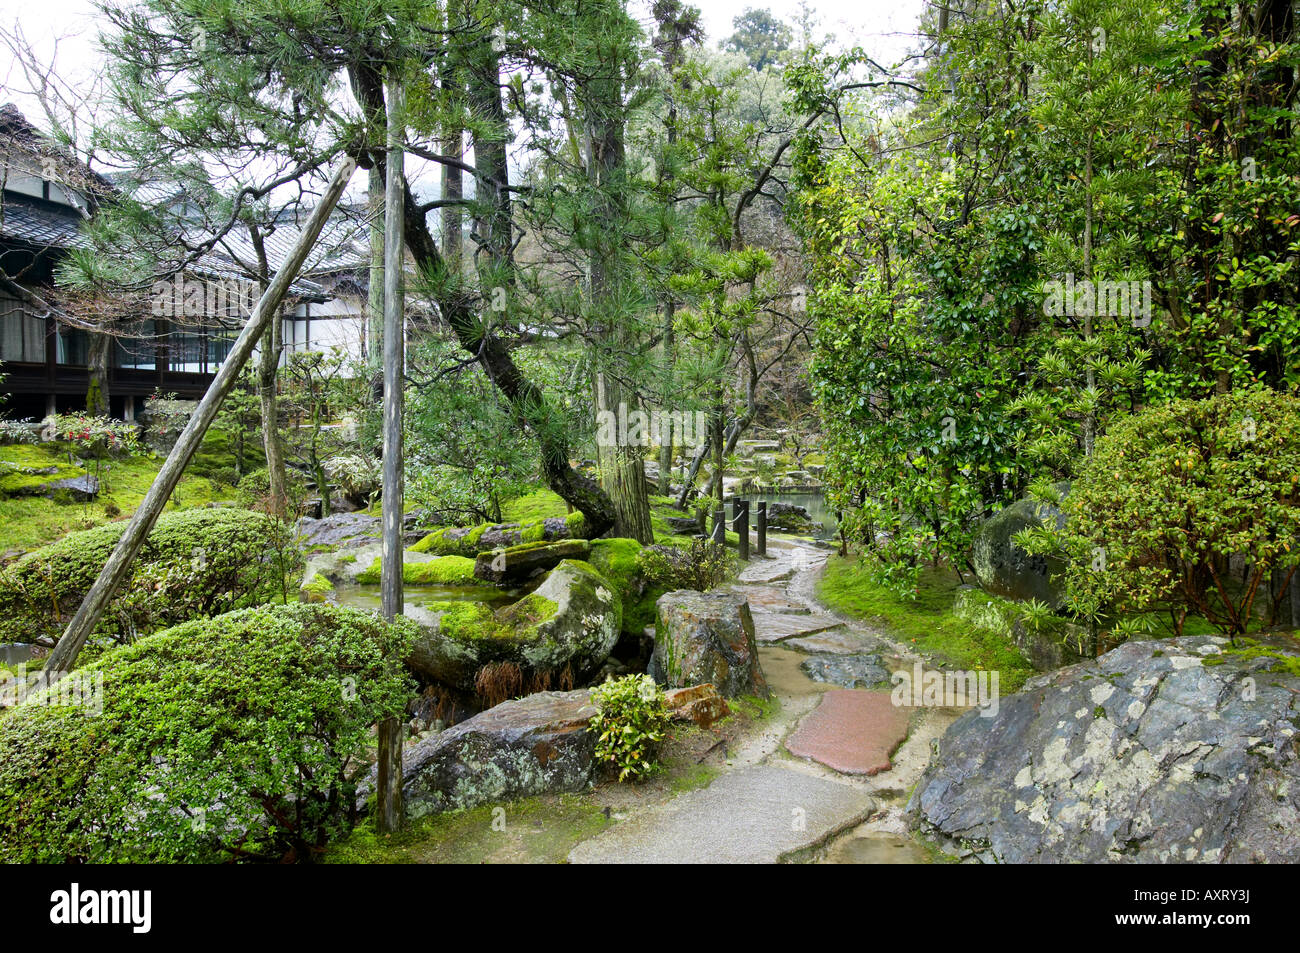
column 760, row 37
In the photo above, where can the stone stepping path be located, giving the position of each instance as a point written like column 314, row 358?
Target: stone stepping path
column 770, row 627
column 754, row 815
column 770, row 807
column 771, row 599
column 852, row 732
column 841, row 641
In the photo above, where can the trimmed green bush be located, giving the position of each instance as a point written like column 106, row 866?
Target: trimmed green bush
column 195, row 563
column 234, row 738
column 1168, row 497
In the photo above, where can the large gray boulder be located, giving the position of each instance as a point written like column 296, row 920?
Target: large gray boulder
column 539, row 744
column 533, row 745
column 562, row 632
column 707, row 637
column 1157, row 752
column 1004, row 568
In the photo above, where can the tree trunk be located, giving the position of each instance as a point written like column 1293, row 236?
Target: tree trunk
column 527, row 402
column 388, row 808
column 268, row 366
column 97, row 372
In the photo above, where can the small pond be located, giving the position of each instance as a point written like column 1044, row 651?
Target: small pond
column 814, row 503
column 11, row 653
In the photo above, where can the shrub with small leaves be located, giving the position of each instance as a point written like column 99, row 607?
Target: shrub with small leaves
column 700, row 566
column 235, row 738
column 1169, row 496
column 630, row 722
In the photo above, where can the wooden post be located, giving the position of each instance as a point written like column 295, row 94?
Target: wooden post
column 388, row 807
column 740, row 518
column 720, row 526
column 760, row 527
column 128, row 546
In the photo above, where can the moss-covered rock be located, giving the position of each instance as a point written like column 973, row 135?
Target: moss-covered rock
column 316, row 589
column 1004, row 568
column 470, row 541
column 517, row 564
column 560, row 634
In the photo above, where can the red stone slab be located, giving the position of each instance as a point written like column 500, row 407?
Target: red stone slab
column 853, row 732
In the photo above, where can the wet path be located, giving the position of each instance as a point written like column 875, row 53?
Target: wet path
column 825, row 778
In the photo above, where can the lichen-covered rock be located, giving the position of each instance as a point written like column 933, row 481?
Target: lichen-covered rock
column 516, row 564
column 533, row 745
column 539, row 744
column 351, row 530
column 707, row 637
column 1004, row 568
column 561, row 632
column 1164, row 751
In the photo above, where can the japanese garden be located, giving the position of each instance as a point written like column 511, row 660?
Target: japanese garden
column 597, row 431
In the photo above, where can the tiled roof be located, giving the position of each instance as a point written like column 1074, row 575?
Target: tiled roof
column 37, row 224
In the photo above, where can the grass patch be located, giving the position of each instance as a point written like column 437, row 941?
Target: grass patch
column 929, row 622
column 539, row 830
column 30, row 522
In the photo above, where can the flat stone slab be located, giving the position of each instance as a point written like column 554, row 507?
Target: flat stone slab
column 853, row 732
column 843, row 641
column 847, row 671
column 754, row 815
column 772, row 627
column 771, row 599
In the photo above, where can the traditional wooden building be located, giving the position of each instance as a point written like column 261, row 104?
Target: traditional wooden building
column 180, row 336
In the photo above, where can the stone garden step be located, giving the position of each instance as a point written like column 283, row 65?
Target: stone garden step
column 853, row 732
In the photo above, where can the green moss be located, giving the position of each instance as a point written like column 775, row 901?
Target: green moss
column 528, row 611
column 576, row 524
column 694, row 777
column 1284, row 663
column 435, row 542
column 443, row 571
column 346, row 560
column 533, row 507
column 929, row 622
column 316, row 589
column 532, row 533
column 466, row 621
column 29, row 522
column 535, row 830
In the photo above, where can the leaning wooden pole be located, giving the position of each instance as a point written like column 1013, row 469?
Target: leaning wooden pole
column 388, row 808
column 119, row 563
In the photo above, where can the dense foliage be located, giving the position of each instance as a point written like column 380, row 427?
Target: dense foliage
column 233, row 738
column 1071, row 212
column 1171, row 495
